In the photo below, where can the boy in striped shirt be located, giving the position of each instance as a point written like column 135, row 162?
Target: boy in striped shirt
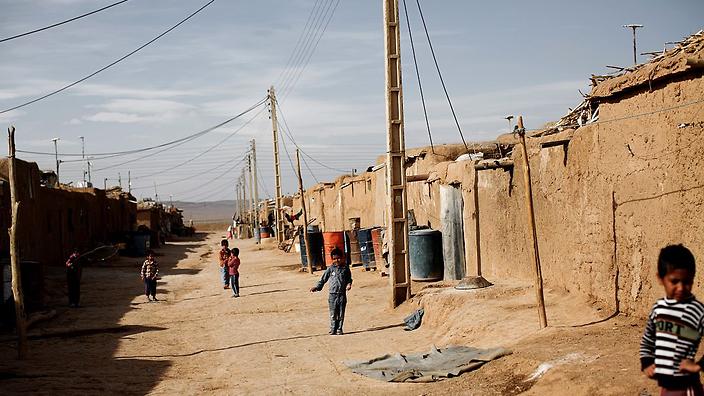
column 674, row 328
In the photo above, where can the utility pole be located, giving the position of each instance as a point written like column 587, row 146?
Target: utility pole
column 634, row 26
column 89, row 165
column 255, row 192
column 83, row 156
column 129, row 182
column 535, row 255
column 119, row 179
column 56, row 155
column 252, row 202
column 239, row 207
column 396, row 202
column 105, row 184
column 156, row 194
column 244, row 199
column 277, row 166
column 306, row 240
column 20, row 318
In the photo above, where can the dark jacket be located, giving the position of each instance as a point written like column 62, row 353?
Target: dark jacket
column 339, row 277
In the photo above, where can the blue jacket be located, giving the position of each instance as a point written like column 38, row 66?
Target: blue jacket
column 339, row 278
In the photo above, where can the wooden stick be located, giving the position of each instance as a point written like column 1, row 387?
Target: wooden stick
column 21, row 324
column 305, row 214
column 531, row 222
column 477, row 235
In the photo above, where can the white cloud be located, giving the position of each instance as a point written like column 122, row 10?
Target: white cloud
column 75, row 121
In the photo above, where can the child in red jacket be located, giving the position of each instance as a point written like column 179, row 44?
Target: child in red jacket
column 233, row 266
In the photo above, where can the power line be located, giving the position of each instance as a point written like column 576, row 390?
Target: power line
column 180, row 143
column 220, row 176
column 111, row 64
column 199, row 174
column 420, row 85
column 287, row 90
column 296, row 48
column 140, row 150
column 288, row 132
column 62, row 22
column 216, row 145
column 442, row 81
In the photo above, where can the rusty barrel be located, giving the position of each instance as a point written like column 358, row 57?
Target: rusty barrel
column 378, row 243
column 353, row 245
column 332, row 240
column 265, row 232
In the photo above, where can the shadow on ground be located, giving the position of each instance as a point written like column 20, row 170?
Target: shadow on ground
column 75, row 352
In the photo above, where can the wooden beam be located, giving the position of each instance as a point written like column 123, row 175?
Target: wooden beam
column 417, row 178
column 494, row 164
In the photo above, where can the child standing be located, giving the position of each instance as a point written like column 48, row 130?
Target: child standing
column 674, row 328
column 233, row 266
column 73, row 278
column 340, row 278
column 224, row 255
column 150, row 270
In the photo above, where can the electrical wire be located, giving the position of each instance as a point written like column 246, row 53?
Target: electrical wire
column 199, row 174
column 219, row 177
column 288, row 132
column 62, row 22
column 176, row 145
column 216, row 145
column 312, row 32
column 442, row 81
column 99, row 156
column 420, row 85
column 297, row 47
column 111, row 64
column 286, row 91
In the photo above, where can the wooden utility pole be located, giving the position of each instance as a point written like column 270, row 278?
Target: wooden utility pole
column 255, row 192
column 277, row 166
column 535, row 255
column 238, row 200
column 244, row 199
column 306, row 240
column 477, row 228
column 252, row 202
column 396, row 203
column 14, row 255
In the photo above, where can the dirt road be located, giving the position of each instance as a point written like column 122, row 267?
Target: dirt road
column 273, row 339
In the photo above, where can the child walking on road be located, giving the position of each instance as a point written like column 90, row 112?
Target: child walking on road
column 233, row 266
column 150, row 270
column 224, row 255
column 674, row 328
column 340, row 278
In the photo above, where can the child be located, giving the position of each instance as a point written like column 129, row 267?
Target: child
column 233, row 266
column 340, row 278
column 224, row 255
column 73, row 278
column 150, row 270
column 674, row 328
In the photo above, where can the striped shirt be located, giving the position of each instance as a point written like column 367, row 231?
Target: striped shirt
column 671, row 335
column 150, row 269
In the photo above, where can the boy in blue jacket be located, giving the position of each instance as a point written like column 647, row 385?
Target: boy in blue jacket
column 340, row 278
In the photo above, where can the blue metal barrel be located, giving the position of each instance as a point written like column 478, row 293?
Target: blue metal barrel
column 366, row 247
column 425, row 247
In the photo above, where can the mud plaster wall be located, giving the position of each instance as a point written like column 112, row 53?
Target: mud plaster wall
column 649, row 166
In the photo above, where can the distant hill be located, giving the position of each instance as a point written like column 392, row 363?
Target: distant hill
column 207, row 212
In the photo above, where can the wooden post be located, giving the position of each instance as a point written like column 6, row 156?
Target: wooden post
column 305, row 213
column 396, row 202
column 277, row 166
column 535, row 255
column 255, row 192
column 14, row 255
column 477, row 228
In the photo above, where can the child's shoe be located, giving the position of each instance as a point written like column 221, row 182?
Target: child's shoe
column 340, row 332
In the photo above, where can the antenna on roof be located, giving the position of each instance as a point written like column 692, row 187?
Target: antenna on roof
column 634, row 26
column 509, row 118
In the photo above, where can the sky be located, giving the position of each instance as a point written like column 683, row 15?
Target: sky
column 497, row 58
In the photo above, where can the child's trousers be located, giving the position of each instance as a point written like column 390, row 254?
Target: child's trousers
column 225, row 276
column 235, row 284
column 150, row 287
column 336, row 304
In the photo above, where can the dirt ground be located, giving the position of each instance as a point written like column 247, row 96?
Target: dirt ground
column 273, row 339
